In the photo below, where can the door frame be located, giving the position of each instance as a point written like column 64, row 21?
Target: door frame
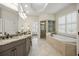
column 45, row 29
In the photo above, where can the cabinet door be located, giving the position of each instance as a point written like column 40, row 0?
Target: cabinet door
column 27, row 45
column 21, row 50
column 13, row 52
column 9, row 52
column 5, row 53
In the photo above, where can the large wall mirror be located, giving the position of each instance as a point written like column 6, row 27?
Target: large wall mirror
column 1, row 24
column 8, row 21
column 0, row 27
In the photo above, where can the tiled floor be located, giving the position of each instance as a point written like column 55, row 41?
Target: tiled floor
column 41, row 48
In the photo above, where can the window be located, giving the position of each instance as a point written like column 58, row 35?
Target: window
column 62, row 24
column 68, row 24
column 71, row 23
column 51, row 26
column 35, row 27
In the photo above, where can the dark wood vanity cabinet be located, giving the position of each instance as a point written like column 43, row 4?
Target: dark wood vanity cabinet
column 8, row 52
column 18, row 48
column 28, row 45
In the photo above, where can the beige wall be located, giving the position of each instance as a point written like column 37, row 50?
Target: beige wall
column 46, row 17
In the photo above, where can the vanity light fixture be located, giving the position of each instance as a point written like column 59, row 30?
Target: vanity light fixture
column 24, row 15
column 21, row 9
column 26, row 5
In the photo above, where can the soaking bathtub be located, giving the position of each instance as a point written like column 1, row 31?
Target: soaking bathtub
column 64, row 45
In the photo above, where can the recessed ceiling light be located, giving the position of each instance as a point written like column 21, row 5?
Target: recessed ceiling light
column 26, row 5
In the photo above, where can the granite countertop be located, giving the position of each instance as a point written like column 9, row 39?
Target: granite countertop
column 6, row 41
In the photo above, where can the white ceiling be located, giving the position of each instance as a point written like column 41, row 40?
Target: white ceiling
column 13, row 6
column 43, row 8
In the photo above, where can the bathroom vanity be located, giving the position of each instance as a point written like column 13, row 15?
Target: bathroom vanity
column 65, row 46
column 16, row 46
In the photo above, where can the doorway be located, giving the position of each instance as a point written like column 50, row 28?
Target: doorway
column 35, row 28
column 43, row 29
